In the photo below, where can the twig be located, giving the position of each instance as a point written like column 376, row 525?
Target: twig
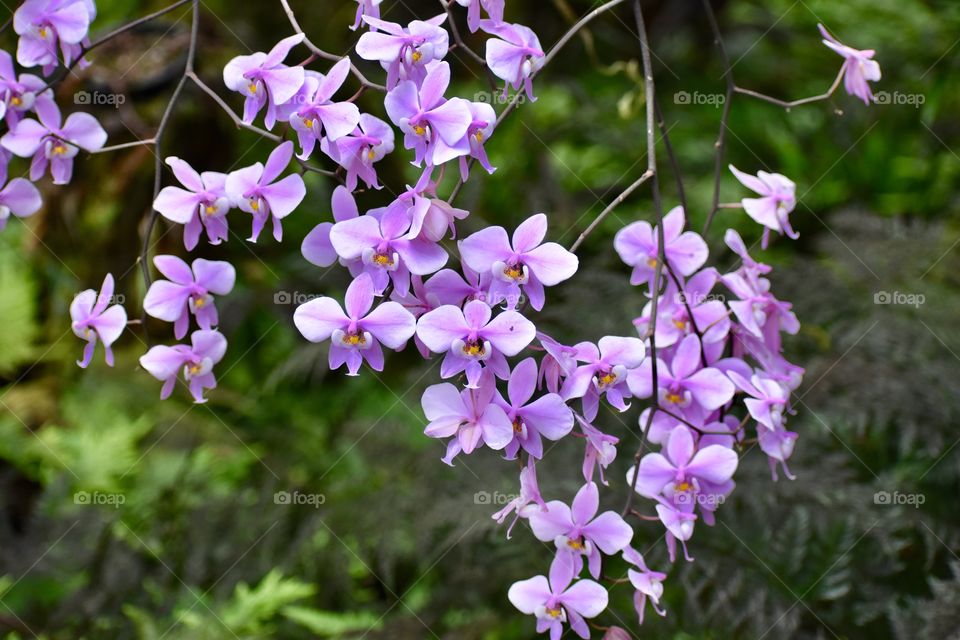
column 794, row 103
column 613, row 205
column 320, row 53
column 658, row 208
column 125, row 145
column 447, row 6
column 554, row 50
column 237, row 120
column 722, row 136
column 158, row 139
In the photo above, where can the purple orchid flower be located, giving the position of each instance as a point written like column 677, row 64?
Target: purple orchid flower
column 547, row 416
column 514, row 55
column 778, row 199
column 196, row 361
column 202, row 205
column 469, row 414
column 19, row 198
column 687, row 310
column 758, row 311
column 317, row 247
column 357, row 334
column 601, row 450
column 404, row 53
column 579, row 531
column 648, row 584
column 449, row 287
column 384, row 250
column 366, row 8
column 528, row 501
column 472, row 341
column 45, row 25
column 607, row 368
column 479, row 131
column 526, row 264
column 859, row 67
column 93, row 319
column 257, row 191
column 424, row 116
column 494, row 9
column 19, row 95
column 188, row 290
column 265, row 80
column 686, row 381
column 556, row 601
column 768, row 399
column 315, row 114
column 558, row 362
column 684, row 468
column 358, row 151
column 52, row 142
column 638, row 245
column 778, row 445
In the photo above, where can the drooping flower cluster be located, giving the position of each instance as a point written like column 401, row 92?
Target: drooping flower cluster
column 707, row 358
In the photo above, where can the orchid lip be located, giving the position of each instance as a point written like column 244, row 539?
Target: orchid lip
column 387, row 260
column 361, row 340
column 473, row 350
column 544, row 612
column 517, row 273
column 194, row 369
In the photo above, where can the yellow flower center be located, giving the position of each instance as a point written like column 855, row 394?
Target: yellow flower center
column 515, row 272
column 16, row 101
column 59, row 150
column 255, row 204
column 382, row 260
column 194, row 369
column 607, row 379
column 576, row 545
column 473, row 349
column 417, row 56
column 355, row 339
column 674, row 398
column 308, row 123
column 478, row 135
column 684, row 486
column 252, row 87
column 518, row 426
column 419, row 129
column 210, row 209
column 43, row 32
column 554, row 613
column 680, row 324
column 652, row 263
column 371, row 154
column 199, row 302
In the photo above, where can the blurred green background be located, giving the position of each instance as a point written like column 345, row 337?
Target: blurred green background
column 402, row 546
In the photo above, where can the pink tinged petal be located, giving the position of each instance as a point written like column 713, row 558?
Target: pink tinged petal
column 680, row 446
column 551, row 263
column 714, row 463
column 280, row 50
column 163, row 362
column 510, row 333
column 609, row 532
column 351, row 237
column 626, row 351
column 83, row 130
column 505, row 60
column 421, row 256
column 339, row 119
column 549, row 416
column 530, row 233
column 71, row 22
column 165, row 300
column 585, row 504
column 402, row 102
column 209, row 344
column 359, row 297
column 216, row 276
column 317, row 319
column 553, row 522
column 105, row 295
column 379, row 46
column 563, row 569
column 687, row 358
column 285, row 196
column 61, row 169
column 451, row 120
column 391, row 324
column 522, row 382
column 241, row 182
column 186, row 174
column 21, row 197
column 477, row 314
column 528, row 595
column 317, row 248
column 110, row 324
column 283, row 83
column 634, row 243
column 763, row 211
column 497, row 427
column 235, row 69
column 480, row 250
column 277, row 161
column 655, row 472
column 440, row 327
column 586, row 597
column 710, row 388
column 176, row 204
column 174, row 269
column 25, row 138
column 753, row 183
column 688, row 253
column 673, row 224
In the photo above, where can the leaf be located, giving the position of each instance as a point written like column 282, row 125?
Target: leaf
column 328, row 623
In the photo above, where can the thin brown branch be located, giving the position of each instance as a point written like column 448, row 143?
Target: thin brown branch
column 613, row 205
column 794, row 103
column 722, row 136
